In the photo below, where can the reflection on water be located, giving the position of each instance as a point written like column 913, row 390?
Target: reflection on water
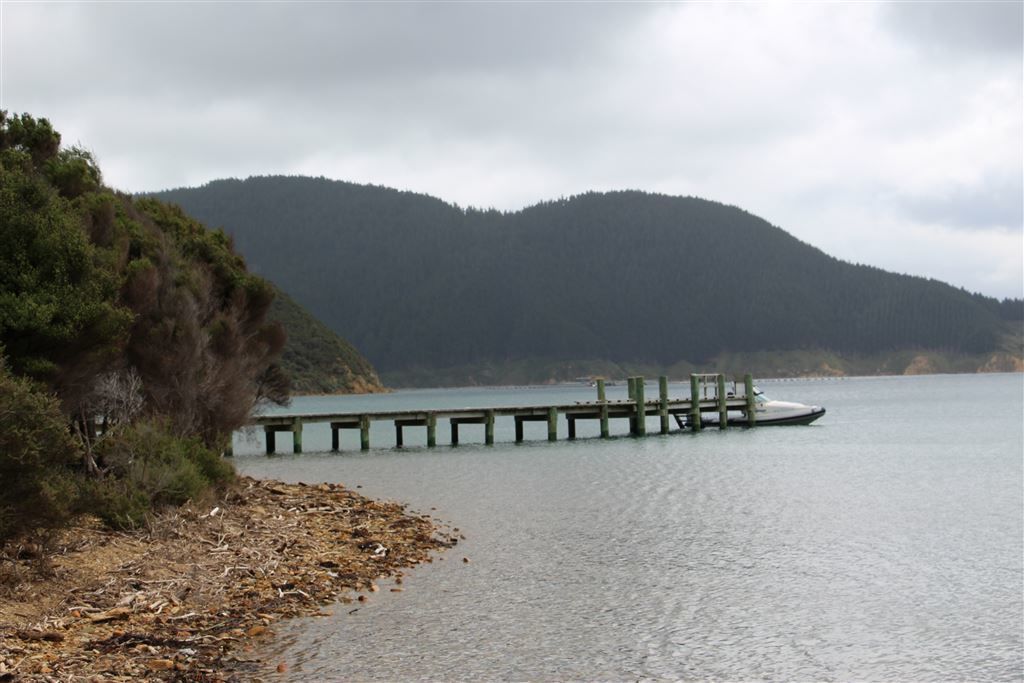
column 884, row 542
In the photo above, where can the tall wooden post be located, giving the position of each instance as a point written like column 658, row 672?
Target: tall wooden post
column 723, row 408
column 398, row 434
column 364, row 432
column 489, row 428
column 297, row 435
column 552, row 423
column 431, row 430
column 695, row 403
column 641, row 407
column 631, row 389
column 572, row 426
column 271, row 437
column 519, row 429
column 748, row 387
column 455, row 432
column 603, row 400
column 663, row 403
column 335, row 438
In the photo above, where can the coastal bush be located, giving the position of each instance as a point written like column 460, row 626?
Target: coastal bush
column 147, row 468
column 37, row 454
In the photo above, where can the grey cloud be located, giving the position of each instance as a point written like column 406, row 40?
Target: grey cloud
column 977, row 26
column 996, row 203
column 327, row 46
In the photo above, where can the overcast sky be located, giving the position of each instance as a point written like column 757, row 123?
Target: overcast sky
column 883, row 133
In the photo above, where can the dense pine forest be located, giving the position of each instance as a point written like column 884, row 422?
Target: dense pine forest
column 420, row 285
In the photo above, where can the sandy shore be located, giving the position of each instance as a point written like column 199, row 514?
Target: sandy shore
column 192, row 597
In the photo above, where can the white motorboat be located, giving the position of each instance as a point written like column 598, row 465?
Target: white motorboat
column 770, row 412
column 766, row 411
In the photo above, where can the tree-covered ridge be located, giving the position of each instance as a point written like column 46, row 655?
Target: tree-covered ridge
column 316, row 359
column 628, row 277
column 133, row 341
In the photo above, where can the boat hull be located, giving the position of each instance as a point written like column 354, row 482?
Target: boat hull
column 805, row 417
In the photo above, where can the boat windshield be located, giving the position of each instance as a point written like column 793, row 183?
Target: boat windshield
column 759, row 396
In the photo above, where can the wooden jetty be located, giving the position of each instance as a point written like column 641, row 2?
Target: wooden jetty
column 708, row 394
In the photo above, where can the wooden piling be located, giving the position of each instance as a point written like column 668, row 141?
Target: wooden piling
column 552, row 423
column 398, row 434
column 631, row 395
column 748, row 387
column 364, row 432
column 455, row 432
column 335, row 438
column 663, row 403
column 641, row 407
column 431, row 430
column 519, row 429
column 723, row 408
column 571, row 421
column 297, row 435
column 604, row 421
column 489, row 428
column 600, row 391
column 695, row 403
column 271, row 437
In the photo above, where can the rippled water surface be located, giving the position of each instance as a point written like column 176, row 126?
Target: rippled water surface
column 882, row 543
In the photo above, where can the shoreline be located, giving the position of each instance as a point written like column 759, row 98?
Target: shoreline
column 192, row 596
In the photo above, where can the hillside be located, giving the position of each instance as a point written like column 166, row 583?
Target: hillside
column 316, row 359
column 430, row 290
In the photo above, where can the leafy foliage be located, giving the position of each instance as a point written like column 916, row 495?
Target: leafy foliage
column 148, row 468
column 121, row 310
column 94, row 282
column 36, row 459
column 627, row 277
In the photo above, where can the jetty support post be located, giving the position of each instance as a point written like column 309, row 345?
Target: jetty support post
column 431, row 430
column 398, row 434
column 297, row 435
column 748, row 387
column 489, row 428
column 519, row 428
column 271, row 437
column 335, row 437
column 695, row 403
column 455, row 431
column 641, row 407
column 663, row 403
column 552, row 423
column 603, row 400
column 571, row 421
column 364, row 432
column 631, row 396
column 723, row 408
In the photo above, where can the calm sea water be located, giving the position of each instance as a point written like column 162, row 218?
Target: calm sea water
column 882, row 543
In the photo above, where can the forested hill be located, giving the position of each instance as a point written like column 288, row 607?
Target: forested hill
column 316, row 359
column 419, row 284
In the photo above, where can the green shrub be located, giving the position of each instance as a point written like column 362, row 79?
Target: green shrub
column 37, row 485
column 147, row 468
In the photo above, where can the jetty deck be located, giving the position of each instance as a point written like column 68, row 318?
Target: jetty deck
column 708, row 394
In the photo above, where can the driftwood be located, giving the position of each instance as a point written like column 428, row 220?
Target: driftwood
column 183, row 599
